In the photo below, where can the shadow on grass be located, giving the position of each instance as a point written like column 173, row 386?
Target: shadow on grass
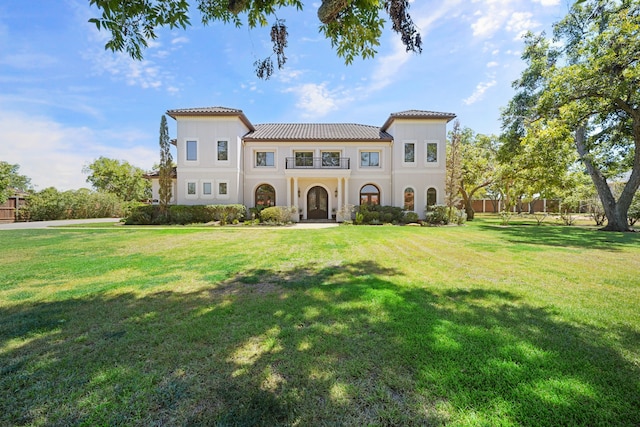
column 564, row 236
column 317, row 345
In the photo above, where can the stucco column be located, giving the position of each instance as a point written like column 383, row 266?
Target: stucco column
column 289, row 192
column 340, row 202
column 346, row 191
column 296, row 202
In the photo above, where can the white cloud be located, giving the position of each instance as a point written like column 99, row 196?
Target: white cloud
column 315, row 100
column 548, row 2
column 494, row 15
column 180, row 40
column 478, row 94
column 492, row 64
column 52, row 154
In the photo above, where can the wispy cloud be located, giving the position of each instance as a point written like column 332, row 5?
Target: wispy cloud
column 493, row 15
column 480, row 90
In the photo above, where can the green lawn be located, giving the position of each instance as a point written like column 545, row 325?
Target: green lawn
column 478, row 325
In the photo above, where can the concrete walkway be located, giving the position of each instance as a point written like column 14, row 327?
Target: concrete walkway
column 45, row 224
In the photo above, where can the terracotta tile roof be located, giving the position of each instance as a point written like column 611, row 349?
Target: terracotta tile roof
column 417, row 114
column 156, row 174
column 316, row 132
column 210, row 111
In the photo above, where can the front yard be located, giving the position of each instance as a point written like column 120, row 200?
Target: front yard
column 368, row 325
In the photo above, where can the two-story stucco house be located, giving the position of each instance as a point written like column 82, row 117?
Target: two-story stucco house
column 223, row 158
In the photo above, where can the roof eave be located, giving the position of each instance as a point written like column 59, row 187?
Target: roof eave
column 176, row 113
column 444, row 116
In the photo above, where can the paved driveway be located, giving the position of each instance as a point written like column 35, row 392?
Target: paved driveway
column 45, row 224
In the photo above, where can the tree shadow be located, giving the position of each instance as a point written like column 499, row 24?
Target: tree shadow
column 319, row 344
column 564, row 236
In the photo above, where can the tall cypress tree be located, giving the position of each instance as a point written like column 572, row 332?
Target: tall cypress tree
column 166, row 166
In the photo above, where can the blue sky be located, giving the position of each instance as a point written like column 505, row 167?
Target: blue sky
column 65, row 101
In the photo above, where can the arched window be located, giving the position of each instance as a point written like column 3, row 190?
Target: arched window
column 408, row 199
column 265, row 196
column 369, row 195
column 431, row 198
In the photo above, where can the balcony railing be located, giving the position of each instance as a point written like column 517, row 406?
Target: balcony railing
column 318, row 163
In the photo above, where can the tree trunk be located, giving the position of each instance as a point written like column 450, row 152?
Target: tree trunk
column 468, row 204
column 615, row 211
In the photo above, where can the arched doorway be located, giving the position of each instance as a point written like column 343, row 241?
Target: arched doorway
column 317, row 203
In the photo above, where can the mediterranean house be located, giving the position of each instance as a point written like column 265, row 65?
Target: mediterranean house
column 223, row 158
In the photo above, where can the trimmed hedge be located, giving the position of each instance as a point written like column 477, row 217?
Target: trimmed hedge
column 277, row 214
column 185, row 214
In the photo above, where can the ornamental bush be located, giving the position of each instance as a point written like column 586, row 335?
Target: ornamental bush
column 185, row 214
column 277, row 214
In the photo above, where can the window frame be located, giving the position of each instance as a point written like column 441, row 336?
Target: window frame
column 369, row 194
column 187, row 188
column 219, row 194
column 266, row 165
column 322, row 157
column 413, row 199
column 186, row 150
column 404, row 156
column 308, row 160
column 226, row 141
column 255, row 195
column 204, row 193
column 435, row 196
column 369, row 166
column 437, row 153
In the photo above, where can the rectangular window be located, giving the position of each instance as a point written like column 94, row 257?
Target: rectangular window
column 265, row 159
column 206, row 188
column 409, row 152
column 191, row 188
column 432, row 152
column 223, row 150
column 330, row 159
column 369, row 159
column 304, row 158
column 222, row 188
column 192, row 150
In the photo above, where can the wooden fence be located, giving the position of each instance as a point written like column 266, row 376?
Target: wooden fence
column 9, row 209
column 493, row 206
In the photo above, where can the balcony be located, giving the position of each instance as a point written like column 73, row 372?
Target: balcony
column 318, row 163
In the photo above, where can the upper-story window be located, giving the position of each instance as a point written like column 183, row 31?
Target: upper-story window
column 265, row 159
column 223, row 150
column 369, row 158
column 432, row 152
column 330, row 158
column 192, row 151
column 304, row 158
column 409, row 152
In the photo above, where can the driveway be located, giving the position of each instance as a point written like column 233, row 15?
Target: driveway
column 45, row 224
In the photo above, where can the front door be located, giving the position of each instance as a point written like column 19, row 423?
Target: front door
column 317, row 203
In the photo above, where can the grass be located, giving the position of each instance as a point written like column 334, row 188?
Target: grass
column 479, row 325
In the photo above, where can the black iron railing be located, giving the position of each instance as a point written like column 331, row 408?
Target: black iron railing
column 318, row 163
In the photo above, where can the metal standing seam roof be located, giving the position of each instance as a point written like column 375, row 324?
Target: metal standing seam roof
column 316, row 132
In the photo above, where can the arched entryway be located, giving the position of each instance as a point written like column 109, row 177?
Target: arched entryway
column 317, row 203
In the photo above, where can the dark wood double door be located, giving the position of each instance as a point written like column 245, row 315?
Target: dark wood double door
column 317, row 203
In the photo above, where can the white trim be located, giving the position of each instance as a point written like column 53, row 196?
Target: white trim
column 254, row 160
column 413, row 164
column 369, row 150
column 203, row 194
column 220, row 195
column 197, row 160
column 223, row 162
column 186, row 189
column 426, row 153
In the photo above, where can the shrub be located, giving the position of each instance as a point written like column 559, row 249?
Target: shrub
column 410, row 217
column 437, row 215
column 185, row 214
column 376, row 214
column 277, row 214
column 633, row 214
column 51, row 204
